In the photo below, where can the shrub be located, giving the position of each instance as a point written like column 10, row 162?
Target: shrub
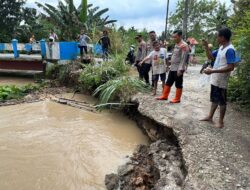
column 97, row 74
column 13, row 92
column 62, row 72
column 120, row 89
column 239, row 86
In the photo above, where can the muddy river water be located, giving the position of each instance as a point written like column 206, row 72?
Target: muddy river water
column 5, row 80
column 48, row 146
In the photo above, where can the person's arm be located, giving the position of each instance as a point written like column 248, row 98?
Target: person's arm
column 208, row 51
column 183, row 63
column 228, row 68
column 230, row 56
column 144, row 50
column 56, row 37
column 89, row 39
column 146, row 59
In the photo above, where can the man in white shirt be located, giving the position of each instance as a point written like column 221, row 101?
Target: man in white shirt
column 225, row 60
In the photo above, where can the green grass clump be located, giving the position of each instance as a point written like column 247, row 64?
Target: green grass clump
column 9, row 92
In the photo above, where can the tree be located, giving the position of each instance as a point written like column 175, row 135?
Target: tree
column 185, row 19
column 239, row 86
column 198, row 14
column 219, row 19
column 84, row 10
column 11, row 16
column 67, row 18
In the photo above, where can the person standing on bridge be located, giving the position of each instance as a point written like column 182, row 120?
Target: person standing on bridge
column 52, row 38
column 225, row 60
column 177, row 68
column 83, row 45
column 106, row 45
column 32, row 41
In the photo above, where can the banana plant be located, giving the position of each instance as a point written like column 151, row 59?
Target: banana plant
column 69, row 19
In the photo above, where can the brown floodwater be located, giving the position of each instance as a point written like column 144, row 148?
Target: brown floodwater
column 4, row 80
column 48, row 146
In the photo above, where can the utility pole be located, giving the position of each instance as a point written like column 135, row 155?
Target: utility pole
column 167, row 13
column 185, row 19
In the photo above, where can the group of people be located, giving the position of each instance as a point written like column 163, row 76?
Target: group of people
column 83, row 40
column 152, row 54
column 104, row 41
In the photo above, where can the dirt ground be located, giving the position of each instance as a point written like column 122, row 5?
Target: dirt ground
column 215, row 158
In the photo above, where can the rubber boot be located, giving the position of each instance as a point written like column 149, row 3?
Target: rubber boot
column 177, row 98
column 165, row 93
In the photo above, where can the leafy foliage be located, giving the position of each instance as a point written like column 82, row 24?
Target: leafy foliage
column 97, row 74
column 13, row 92
column 69, row 19
column 120, row 89
column 83, row 14
column 204, row 18
column 11, row 16
column 239, row 86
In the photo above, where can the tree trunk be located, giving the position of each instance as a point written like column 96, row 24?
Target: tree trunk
column 83, row 15
column 185, row 20
column 166, row 27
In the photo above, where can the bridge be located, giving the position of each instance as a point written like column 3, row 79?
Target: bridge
column 19, row 56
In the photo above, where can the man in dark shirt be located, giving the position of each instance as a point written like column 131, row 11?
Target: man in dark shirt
column 106, row 45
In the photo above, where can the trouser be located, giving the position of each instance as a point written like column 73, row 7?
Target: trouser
column 173, row 78
column 85, row 48
column 218, row 95
column 105, row 53
column 143, row 71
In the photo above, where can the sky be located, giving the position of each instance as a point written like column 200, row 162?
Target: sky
column 149, row 14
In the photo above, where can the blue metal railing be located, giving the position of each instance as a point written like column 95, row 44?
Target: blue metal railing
column 49, row 50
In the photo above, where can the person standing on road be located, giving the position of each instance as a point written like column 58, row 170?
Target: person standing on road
column 106, row 45
column 177, row 68
column 225, row 61
column 158, row 59
column 141, row 54
column 83, row 45
column 152, row 38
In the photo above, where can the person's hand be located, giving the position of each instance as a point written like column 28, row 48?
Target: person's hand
column 179, row 73
column 140, row 63
column 208, row 71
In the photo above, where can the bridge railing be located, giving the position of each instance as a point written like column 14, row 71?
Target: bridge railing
column 48, row 50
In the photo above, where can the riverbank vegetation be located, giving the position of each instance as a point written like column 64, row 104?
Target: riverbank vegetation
column 239, row 86
column 8, row 92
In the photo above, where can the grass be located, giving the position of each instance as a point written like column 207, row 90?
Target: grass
column 120, row 89
column 9, row 92
column 97, row 74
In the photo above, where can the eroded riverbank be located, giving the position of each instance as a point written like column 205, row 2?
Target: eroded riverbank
column 186, row 154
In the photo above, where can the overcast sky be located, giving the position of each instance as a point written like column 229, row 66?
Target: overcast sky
column 149, row 14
